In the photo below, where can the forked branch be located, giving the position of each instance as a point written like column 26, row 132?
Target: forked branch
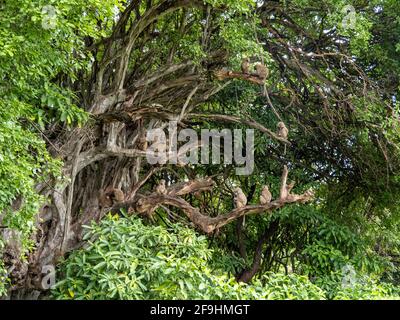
column 146, row 205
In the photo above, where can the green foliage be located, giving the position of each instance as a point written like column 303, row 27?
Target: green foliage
column 369, row 289
column 129, row 260
column 362, row 287
column 3, row 274
column 24, row 161
column 126, row 259
column 349, row 154
column 278, row 286
column 32, row 59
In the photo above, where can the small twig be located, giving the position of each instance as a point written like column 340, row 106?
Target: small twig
column 272, row 106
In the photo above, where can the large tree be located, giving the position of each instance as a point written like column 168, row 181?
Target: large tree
column 92, row 84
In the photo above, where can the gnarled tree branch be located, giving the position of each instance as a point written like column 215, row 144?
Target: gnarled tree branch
column 146, row 205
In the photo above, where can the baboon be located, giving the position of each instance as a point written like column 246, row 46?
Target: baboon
column 110, row 197
column 265, row 196
column 282, row 130
column 240, row 199
column 161, row 189
column 245, row 65
column 262, row 71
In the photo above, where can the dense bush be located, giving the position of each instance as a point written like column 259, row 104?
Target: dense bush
column 126, row 259
column 129, row 260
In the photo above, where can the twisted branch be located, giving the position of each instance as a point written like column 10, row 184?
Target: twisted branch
column 146, row 205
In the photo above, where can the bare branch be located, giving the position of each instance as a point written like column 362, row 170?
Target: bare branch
column 235, row 119
column 148, row 204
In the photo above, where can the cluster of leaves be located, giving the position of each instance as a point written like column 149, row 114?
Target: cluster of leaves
column 129, row 260
column 332, row 249
column 24, row 161
column 368, row 288
column 3, row 274
column 33, row 61
column 126, row 259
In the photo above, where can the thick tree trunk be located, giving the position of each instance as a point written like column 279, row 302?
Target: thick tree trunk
column 248, row 274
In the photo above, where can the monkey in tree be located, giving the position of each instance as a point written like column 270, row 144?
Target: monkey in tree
column 142, row 142
column 245, row 66
column 117, row 196
column 265, row 196
column 161, row 189
column 110, row 197
column 283, row 132
column 262, row 71
column 239, row 198
column 105, row 200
